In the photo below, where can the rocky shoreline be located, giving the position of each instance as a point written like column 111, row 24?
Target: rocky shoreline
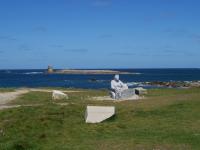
column 174, row 84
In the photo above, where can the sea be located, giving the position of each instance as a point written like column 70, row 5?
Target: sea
column 37, row 78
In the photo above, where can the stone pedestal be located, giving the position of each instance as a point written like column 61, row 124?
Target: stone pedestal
column 127, row 93
column 140, row 91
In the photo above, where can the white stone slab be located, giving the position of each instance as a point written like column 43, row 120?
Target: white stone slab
column 56, row 95
column 97, row 114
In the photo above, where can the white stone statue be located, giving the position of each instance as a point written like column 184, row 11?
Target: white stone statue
column 117, row 87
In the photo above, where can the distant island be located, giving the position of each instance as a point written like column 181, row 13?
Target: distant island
column 50, row 70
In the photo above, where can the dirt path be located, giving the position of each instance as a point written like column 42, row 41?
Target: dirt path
column 48, row 90
column 6, row 97
column 16, row 106
column 28, row 105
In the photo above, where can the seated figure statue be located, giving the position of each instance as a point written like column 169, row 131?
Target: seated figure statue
column 119, row 90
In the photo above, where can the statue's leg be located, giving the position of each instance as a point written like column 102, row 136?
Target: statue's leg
column 112, row 94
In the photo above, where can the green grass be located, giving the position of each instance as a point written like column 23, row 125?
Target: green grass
column 33, row 98
column 166, row 119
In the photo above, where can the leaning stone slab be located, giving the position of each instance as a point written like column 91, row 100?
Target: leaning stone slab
column 97, row 114
column 57, row 95
column 140, row 91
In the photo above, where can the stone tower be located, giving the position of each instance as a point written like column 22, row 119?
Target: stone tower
column 50, row 69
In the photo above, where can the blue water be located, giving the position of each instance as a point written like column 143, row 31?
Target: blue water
column 36, row 78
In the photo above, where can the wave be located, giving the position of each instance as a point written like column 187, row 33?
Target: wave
column 133, row 83
column 28, row 73
column 137, row 73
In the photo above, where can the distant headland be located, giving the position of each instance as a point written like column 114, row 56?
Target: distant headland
column 50, row 70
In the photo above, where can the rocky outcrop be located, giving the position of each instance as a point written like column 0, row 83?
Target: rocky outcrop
column 174, row 84
column 50, row 70
column 57, row 95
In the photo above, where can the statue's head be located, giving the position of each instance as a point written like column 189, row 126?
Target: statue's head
column 116, row 77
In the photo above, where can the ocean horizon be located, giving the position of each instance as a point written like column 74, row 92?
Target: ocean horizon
column 37, row 77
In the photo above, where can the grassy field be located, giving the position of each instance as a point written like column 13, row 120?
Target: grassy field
column 166, row 119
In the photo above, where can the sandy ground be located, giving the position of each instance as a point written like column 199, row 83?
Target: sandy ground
column 7, row 97
column 108, row 98
column 48, row 90
column 15, row 106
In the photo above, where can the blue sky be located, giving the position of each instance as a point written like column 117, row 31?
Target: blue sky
column 99, row 33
